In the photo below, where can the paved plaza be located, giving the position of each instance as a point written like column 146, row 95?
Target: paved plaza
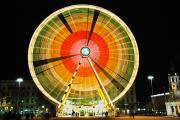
column 101, row 118
column 120, row 118
column 112, row 118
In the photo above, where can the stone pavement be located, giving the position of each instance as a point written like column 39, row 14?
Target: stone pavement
column 113, row 118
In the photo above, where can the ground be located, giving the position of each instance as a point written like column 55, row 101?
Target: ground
column 115, row 118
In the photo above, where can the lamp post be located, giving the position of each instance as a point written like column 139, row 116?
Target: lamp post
column 150, row 77
column 19, row 80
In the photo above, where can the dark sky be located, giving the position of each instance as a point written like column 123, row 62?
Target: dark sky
column 149, row 21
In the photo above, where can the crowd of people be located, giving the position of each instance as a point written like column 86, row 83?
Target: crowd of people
column 46, row 115
column 18, row 115
column 26, row 116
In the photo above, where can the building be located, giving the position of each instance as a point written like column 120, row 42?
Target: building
column 173, row 103
column 169, row 102
column 128, row 101
column 27, row 97
column 158, row 103
column 24, row 97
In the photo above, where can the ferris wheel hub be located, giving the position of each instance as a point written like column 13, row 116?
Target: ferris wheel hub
column 85, row 51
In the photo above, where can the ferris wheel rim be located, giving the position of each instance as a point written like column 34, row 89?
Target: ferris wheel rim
column 32, row 42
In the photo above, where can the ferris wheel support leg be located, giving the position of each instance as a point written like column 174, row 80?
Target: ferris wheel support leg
column 102, row 86
column 68, row 89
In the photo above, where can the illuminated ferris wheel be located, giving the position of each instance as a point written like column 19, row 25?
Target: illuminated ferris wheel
column 84, row 54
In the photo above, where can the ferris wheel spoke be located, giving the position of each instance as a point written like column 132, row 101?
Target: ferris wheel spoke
column 46, row 61
column 118, row 74
column 96, row 14
column 110, row 77
column 48, row 69
column 107, row 74
column 62, row 18
column 87, row 22
column 67, row 91
column 101, row 85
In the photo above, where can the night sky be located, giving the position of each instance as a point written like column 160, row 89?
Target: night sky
column 149, row 22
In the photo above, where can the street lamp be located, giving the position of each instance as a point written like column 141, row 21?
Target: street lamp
column 150, row 77
column 19, row 80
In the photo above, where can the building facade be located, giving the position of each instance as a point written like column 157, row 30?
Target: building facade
column 23, row 97
column 158, row 103
column 26, row 97
column 170, row 101
column 173, row 103
column 128, row 102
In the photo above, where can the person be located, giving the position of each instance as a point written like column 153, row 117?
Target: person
column 133, row 113
column 18, row 116
column 27, row 116
column 32, row 115
column 46, row 116
column 7, row 116
column 106, row 113
column 130, row 113
column 118, row 114
column 73, row 112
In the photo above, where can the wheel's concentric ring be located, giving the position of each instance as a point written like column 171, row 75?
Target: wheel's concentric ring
column 75, row 42
column 89, row 33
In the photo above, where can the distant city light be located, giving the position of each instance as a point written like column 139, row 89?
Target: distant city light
column 42, row 106
column 162, row 94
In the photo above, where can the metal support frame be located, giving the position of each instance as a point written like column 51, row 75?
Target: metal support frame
column 102, row 86
column 68, row 89
column 102, row 91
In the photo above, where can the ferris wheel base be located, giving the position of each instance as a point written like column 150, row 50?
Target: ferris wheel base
column 85, row 111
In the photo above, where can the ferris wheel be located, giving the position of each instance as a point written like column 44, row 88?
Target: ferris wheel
column 85, row 54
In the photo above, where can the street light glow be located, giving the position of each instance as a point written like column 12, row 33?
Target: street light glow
column 42, row 106
column 19, row 80
column 150, row 77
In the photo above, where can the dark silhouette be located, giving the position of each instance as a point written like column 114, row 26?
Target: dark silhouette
column 32, row 115
column 18, row 116
column 73, row 112
column 7, row 116
column 118, row 114
column 130, row 113
column 106, row 113
column 46, row 116
column 133, row 113
column 27, row 116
